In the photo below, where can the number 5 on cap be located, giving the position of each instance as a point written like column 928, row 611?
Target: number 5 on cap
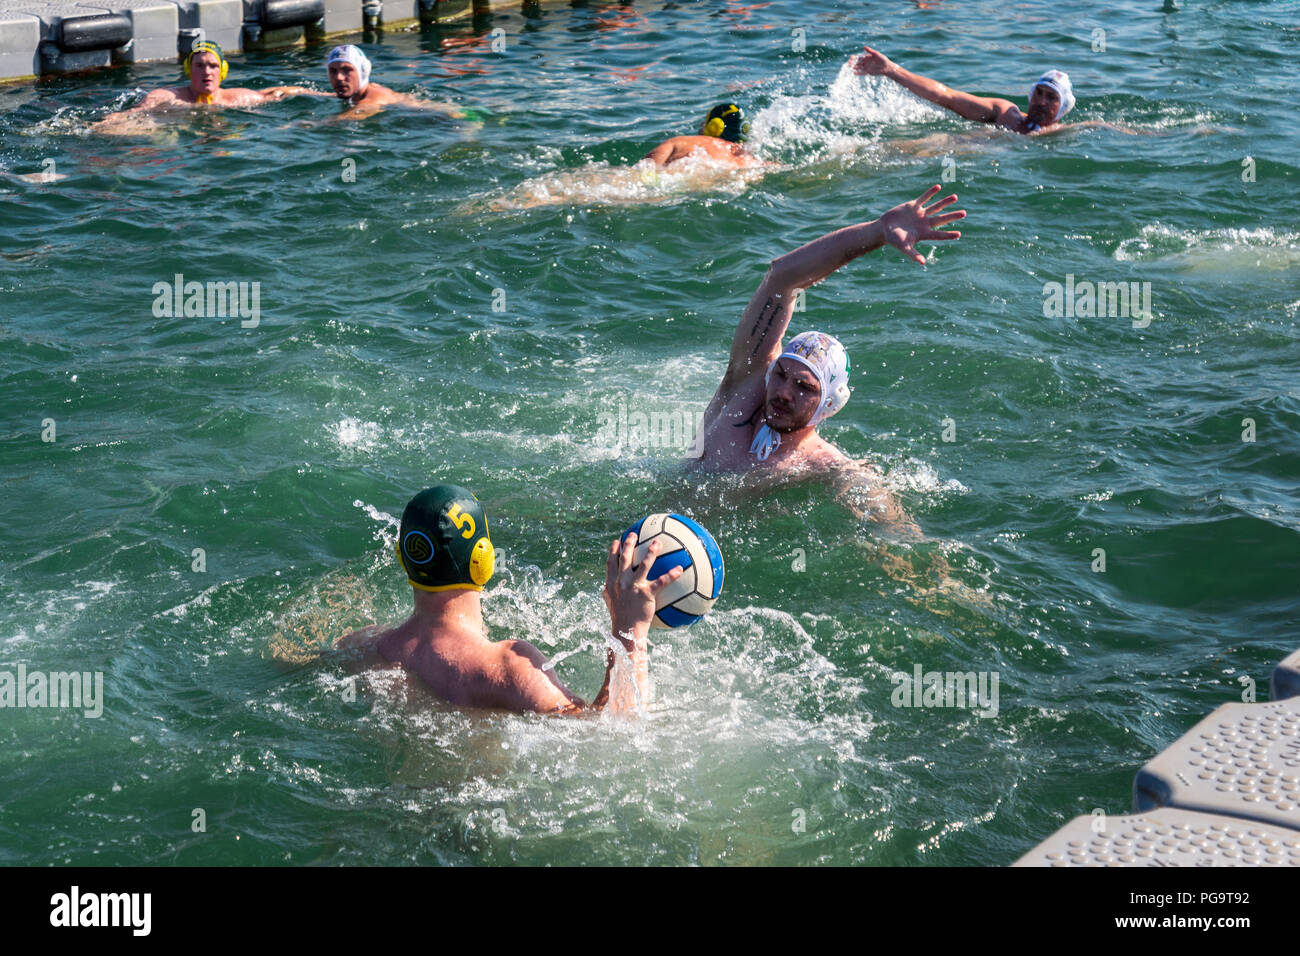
column 461, row 521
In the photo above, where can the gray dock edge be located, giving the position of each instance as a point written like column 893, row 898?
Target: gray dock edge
column 40, row 37
column 1226, row 793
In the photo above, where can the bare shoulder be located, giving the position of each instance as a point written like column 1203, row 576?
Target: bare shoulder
column 847, row 474
column 520, row 653
column 826, row 458
column 378, row 95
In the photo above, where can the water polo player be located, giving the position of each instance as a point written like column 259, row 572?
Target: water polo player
column 444, row 548
column 1050, row 99
column 721, row 139
column 206, row 66
column 349, row 71
column 764, row 415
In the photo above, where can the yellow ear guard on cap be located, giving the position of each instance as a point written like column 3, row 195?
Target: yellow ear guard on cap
column 726, row 121
column 482, row 561
column 207, row 46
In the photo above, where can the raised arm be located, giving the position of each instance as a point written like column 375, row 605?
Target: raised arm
column 981, row 109
column 758, row 336
column 630, row 598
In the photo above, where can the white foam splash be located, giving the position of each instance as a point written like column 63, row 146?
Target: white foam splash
column 602, row 184
column 374, row 514
column 1220, row 250
column 874, row 99
column 919, row 476
column 353, row 433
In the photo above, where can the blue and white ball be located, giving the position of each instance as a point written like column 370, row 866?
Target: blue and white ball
column 682, row 543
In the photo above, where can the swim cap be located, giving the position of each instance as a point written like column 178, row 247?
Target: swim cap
column 726, row 120
column 443, row 543
column 347, row 53
column 829, row 362
column 207, row 46
column 827, row 359
column 1058, row 82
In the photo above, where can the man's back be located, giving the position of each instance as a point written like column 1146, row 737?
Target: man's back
column 463, row 667
column 720, row 150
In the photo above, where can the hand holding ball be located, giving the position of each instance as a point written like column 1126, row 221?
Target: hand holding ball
column 683, row 544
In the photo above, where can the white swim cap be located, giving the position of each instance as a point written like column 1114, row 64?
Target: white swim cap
column 826, row 358
column 1058, row 81
column 347, row 53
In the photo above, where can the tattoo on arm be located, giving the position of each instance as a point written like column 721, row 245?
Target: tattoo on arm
column 769, row 312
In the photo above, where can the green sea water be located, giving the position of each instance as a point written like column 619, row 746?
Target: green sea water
column 476, row 302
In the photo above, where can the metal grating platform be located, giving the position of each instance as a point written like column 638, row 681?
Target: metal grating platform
column 1168, row 837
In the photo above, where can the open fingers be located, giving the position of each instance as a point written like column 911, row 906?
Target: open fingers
column 925, row 196
column 611, row 565
column 628, row 551
column 909, row 250
column 936, row 221
column 941, row 203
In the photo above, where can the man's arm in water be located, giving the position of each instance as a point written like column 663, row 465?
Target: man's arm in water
column 1099, row 124
column 757, row 341
column 156, row 100
column 860, row 488
column 281, row 92
column 981, row 109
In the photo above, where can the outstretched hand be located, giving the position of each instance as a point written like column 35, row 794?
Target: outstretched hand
column 628, row 595
column 871, row 63
column 911, row 222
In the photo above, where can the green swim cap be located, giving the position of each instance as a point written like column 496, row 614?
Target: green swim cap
column 443, row 543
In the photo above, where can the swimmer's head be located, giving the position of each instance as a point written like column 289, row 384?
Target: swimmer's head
column 206, row 66
column 807, row 383
column 727, row 121
column 1051, row 98
column 349, row 70
column 443, row 542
